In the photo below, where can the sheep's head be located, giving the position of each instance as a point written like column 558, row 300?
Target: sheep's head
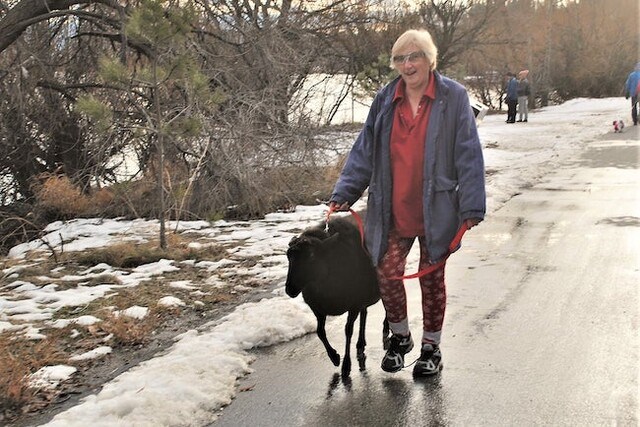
column 300, row 255
column 306, row 262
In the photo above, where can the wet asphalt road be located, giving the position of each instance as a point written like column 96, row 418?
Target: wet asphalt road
column 542, row 324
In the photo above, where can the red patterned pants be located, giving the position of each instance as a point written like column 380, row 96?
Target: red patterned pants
column 394, row 297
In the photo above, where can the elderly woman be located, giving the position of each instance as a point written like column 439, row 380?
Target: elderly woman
column 419, row 154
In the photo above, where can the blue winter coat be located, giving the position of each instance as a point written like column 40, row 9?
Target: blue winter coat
column 453, row 169
column 512, row 89
column 631, row 85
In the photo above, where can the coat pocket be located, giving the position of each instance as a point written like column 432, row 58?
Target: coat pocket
column 445, row 216
column 445, row 201
column 442, row 183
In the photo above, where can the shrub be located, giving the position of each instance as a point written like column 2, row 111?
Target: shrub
column 17, row 225
column 58, row 198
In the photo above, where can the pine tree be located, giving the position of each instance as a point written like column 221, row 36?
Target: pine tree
column 167, row 90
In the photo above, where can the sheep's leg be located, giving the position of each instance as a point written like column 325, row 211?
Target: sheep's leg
column 362, row 343
column 348, row 332
column 322, row 334
column 386, row 334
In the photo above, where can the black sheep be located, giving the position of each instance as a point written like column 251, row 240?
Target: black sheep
column 335, row 276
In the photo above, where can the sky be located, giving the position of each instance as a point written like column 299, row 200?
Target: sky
column 187, row 383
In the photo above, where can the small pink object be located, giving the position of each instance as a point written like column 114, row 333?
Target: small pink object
column 618, row 125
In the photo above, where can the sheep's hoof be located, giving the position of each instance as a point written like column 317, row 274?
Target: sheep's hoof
column 386, row 342
column 335, row 358
column 346, row 368
column 362, row 358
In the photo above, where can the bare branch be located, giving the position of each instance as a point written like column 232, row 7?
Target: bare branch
column 29, row 12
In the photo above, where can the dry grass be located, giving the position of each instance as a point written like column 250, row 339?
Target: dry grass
column 102, row 279
column 128, row 331
column 36, row 270
column 147, row 294
column 133, row 254
column 41, row 274
column 298, row 185
column 18, row 359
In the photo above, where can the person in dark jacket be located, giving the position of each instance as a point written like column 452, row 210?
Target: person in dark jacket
column 420, row 157
column 631, row 86
column 512, row 97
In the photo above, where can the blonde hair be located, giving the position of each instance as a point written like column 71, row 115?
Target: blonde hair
column 420, row 39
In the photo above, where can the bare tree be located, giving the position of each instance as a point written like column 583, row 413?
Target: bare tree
column 565, row 45
column 44, row 72
column 457, row 26
column 26, row 13
column 262, row 55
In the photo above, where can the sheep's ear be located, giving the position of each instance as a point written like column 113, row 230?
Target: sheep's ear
column 302, row 243
column 294, row 241
column 328, row 242
column 298, row 242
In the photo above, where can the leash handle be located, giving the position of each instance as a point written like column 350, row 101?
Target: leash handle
column 358, row 220
column 331, row 210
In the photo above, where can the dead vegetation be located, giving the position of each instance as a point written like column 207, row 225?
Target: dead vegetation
column 132, row 254
column 18, row 360
column 21, row 357
column 129, row 331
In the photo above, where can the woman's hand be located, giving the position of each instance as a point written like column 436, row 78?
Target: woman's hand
column 472, row 222
column 335, row 207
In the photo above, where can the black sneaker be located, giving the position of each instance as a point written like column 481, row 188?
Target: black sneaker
column 394, row 359
column 430, row 361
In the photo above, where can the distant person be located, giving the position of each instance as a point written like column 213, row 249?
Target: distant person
column 512, row 97
column 419, row 154
column 523, row 96
column 631, row 91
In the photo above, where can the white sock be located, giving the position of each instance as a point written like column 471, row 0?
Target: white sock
column 400, row 328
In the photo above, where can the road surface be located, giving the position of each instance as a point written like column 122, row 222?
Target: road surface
column 541, row 325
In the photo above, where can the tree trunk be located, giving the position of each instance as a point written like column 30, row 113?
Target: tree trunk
column 29, row 12
column 160, row 142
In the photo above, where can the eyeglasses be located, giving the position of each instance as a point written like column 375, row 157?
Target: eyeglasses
column 412, row 58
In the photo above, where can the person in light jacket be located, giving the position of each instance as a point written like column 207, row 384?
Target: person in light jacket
column 420, row 157
column 523, row 96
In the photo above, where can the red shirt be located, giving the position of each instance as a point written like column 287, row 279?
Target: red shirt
column 408, row 136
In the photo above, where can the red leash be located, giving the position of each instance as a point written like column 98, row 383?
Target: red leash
column 430, row 269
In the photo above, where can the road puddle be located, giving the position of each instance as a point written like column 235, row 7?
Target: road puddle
column 618, row 156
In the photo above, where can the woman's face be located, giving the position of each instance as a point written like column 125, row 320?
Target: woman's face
column 413, row 66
